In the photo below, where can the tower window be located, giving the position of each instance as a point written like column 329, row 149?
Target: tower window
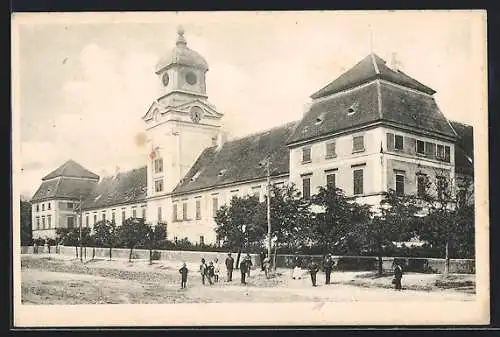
column 158, row 163
column 191, row 78
column 159, row 185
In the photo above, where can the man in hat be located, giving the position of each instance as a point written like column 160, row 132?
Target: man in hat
column 328, row 266
column 243, row 270
column 184, row 272
column 313, row 270
column 229, row 267
column 398, row 275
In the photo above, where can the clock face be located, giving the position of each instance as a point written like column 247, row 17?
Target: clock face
column 191, row 78
column 165, row 79
column 196, row 114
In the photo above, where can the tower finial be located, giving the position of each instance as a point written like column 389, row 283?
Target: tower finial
column 371, row 39
column 180, row 38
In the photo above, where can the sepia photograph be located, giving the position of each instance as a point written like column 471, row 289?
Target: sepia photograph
column 250, row 168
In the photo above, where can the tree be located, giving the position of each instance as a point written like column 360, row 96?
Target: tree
column 69, row 237
column 106, row 235
column 238, row 224
column 448, row 223
column 154, row 236
column 334, row 224
column 26, row 229
column 132, row 233
column 290, row 216
column 392, row 222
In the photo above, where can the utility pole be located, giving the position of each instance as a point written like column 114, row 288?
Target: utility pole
column 268, row 163
column 80, row 220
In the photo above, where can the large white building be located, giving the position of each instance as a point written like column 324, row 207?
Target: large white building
column 371, row 129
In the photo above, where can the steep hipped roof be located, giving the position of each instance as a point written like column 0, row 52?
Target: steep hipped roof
column 63, row 188
column 71, row 169
column 371, row 103
column 238, row 160
column 125, row 187
column 464, row 148
column 368, row 69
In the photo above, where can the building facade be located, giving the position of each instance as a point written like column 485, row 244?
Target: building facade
column 372, row 129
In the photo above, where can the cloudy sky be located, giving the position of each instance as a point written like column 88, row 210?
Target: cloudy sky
column 82, row 83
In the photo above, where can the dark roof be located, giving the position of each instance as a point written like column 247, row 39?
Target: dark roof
column 366, row 70
column 125, row 187
column 390, row 104
column 464, row 148
column 63, row 188
column 71, row 169
column 238, row 160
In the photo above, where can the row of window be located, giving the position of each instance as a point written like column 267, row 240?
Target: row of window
column 43, row 207
column 330, row 177
column 45, row 223
column 358, row 145
column 113, row 216
column 441, row 152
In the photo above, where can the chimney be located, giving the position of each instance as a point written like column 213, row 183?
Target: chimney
column 221, row 139
column 394, row 64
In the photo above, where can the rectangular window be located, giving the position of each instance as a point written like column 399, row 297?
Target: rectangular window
column 398, row 142
column 358, row 181
column 43, row 220
column 306, row 155
column 37, row 222
column 184, row 211
column 43, row 207
column 70, row 221
column 421, row 185
column 440, row 152
column 215, row 206
column 134, row 213
column 87, row 220
column 103, row 216
column 144, row 212
column 447, row 156
column 358, row 144
column 420, row 147
column 159, row 215
column 202, row 240
column 95, row 219
column 48, row 206
column 174, row 212
column 441, row 186
column 113, row 219
column 330, row 150
column 400, row 184
column 49, row 221
column 306, row 187
column 330, row 180
column 38, row 207
column 198, row 209
column 158, row 165
column 69, row 205
column 123, row 215
column 159, row 185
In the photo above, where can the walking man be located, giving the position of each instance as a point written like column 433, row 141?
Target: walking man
column 328, row 266
column 313, row 269
column 229, row 267
column 398, row 275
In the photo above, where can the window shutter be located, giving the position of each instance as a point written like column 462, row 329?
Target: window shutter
column 390, row 141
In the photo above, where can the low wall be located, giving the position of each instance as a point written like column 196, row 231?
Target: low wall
column 343, row 263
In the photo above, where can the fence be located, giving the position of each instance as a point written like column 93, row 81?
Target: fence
column 343, row 263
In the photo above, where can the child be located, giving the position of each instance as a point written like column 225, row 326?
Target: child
column 203, row 271
column 184, row 272
column 313, row 269
column 210, row 272
column 216, row 270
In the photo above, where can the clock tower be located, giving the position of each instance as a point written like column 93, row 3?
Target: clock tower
column 181, row 123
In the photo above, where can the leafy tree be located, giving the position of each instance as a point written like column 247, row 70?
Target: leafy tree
column 26, row 226
column 392, row 222
column 71, row 237
column 106, row 235
column 154, row 236
column 333, row 227
column 132, row 233
column 240, row 224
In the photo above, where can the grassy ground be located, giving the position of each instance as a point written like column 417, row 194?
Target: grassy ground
column 59, row 279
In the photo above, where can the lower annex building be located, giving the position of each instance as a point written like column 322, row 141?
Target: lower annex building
column 372, row 129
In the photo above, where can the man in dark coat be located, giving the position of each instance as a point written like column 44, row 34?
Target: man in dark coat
column 398, row 275
column 262, row 256
column 229, row 267
column 184, row 272
column 243, row 269
column 328, row 266
column 313, row 270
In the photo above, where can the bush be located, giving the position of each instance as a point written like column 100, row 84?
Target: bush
column 356, row 263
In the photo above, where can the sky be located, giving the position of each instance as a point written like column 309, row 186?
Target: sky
column 83, row 81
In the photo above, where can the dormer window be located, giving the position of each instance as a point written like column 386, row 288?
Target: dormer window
column 352, row 109
column 222, row 172
column 319, row 120
column 195, row 176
